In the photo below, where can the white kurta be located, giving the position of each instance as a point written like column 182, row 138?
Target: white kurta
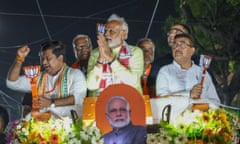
column 76, row 86
column 171, row 79
column 175, row 83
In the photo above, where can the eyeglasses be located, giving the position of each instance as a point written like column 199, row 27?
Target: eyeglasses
column 81, row 47
column 121, row 110
column 175, row 31
column 181, row 44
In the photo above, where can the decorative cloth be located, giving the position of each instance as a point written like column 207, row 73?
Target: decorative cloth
column 124, row 55
column 107, row 79
column 60, row 84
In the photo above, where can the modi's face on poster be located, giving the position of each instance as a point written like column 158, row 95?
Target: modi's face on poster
column 118, row 113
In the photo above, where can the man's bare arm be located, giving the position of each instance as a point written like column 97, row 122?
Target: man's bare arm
column 15, row 68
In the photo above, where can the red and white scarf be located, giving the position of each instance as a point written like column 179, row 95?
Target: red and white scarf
column 124, row 56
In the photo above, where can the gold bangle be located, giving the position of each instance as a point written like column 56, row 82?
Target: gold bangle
column 20, row 59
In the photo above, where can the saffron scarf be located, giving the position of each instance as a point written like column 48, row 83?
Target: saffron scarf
column 76, row 65
column 61, row 83
column 107, row 79
column 144, row 79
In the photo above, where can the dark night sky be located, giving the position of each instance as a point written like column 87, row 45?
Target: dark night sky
column 21, row 23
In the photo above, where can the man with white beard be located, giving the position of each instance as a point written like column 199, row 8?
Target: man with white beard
column 124, row 132
column 114, row 61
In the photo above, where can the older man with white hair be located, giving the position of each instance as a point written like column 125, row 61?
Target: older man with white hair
column 124, row 132
column 114, row 61
column 82, row 47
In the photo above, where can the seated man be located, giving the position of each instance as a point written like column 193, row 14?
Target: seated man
column 60, row 87
column 124, row 132
column 183, row 76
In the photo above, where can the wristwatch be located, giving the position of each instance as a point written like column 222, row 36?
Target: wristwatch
column 52, row 103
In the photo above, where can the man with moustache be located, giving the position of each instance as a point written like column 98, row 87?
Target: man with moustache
column 124, row 132
column 183, row 76
column 176, row 28
column 60, row 88
column 114, row 61
column 82, row 47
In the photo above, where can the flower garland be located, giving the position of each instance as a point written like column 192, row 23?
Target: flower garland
column 59, row 131
column 217, row 126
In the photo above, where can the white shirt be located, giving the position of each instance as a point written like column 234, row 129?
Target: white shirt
column 76, row 86
column 171, row 79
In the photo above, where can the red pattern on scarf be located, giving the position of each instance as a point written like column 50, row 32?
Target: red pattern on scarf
column 107, row 71
column 124, row 61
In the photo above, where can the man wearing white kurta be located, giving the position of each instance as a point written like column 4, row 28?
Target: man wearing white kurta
column 60, row 88
column 172, row 79
column 182, row 78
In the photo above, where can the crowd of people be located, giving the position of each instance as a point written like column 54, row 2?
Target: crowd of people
column 114, row 61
